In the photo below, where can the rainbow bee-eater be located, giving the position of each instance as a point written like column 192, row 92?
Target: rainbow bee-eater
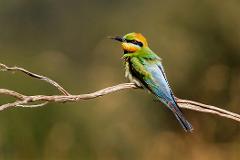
column 145, row 69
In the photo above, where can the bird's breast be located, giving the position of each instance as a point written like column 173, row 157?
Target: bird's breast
column 129, row 75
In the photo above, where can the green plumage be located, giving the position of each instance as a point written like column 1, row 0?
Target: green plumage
column 144, row 68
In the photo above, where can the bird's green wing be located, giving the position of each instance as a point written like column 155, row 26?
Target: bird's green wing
column 151, row 74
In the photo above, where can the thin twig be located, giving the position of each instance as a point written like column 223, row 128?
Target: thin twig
column 12, row 93
column 3, row 67
column 200, row 107
column 41, row 100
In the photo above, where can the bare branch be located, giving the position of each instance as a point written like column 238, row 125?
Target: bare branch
column 3, row 67
column 200, row 107
column 12, row 93
column 41, row 100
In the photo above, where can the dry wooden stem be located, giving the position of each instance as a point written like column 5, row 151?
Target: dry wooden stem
column 3, row 67
column 41, row 100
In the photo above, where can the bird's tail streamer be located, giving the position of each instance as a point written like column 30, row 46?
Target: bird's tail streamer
column 179, row 115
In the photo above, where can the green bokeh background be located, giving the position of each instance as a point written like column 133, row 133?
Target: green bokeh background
column 199, row 42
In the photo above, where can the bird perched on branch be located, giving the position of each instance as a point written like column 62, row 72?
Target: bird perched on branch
column 144, row 68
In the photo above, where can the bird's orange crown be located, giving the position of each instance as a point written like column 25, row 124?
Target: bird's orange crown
column 133, row 42
column 137, row 37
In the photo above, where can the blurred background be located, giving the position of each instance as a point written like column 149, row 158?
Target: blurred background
column 199, row 42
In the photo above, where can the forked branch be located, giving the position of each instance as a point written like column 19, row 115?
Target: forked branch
column 41, row 100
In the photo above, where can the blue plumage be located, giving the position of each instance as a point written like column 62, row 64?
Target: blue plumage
column 159, row 86
column 144, row 68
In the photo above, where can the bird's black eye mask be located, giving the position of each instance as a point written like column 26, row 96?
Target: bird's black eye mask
column 135, row 42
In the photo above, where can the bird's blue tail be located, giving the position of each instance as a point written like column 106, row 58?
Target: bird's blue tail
column 178, row 113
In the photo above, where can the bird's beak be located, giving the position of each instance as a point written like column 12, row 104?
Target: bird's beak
column 117, row 38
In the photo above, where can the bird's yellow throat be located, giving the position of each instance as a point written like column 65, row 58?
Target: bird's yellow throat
column 129, row 47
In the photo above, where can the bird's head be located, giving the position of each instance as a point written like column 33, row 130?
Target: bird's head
column 132, row 42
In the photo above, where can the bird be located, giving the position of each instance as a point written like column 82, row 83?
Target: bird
column 144, row 68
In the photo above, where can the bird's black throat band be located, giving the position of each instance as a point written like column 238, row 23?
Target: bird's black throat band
column 126, row 52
